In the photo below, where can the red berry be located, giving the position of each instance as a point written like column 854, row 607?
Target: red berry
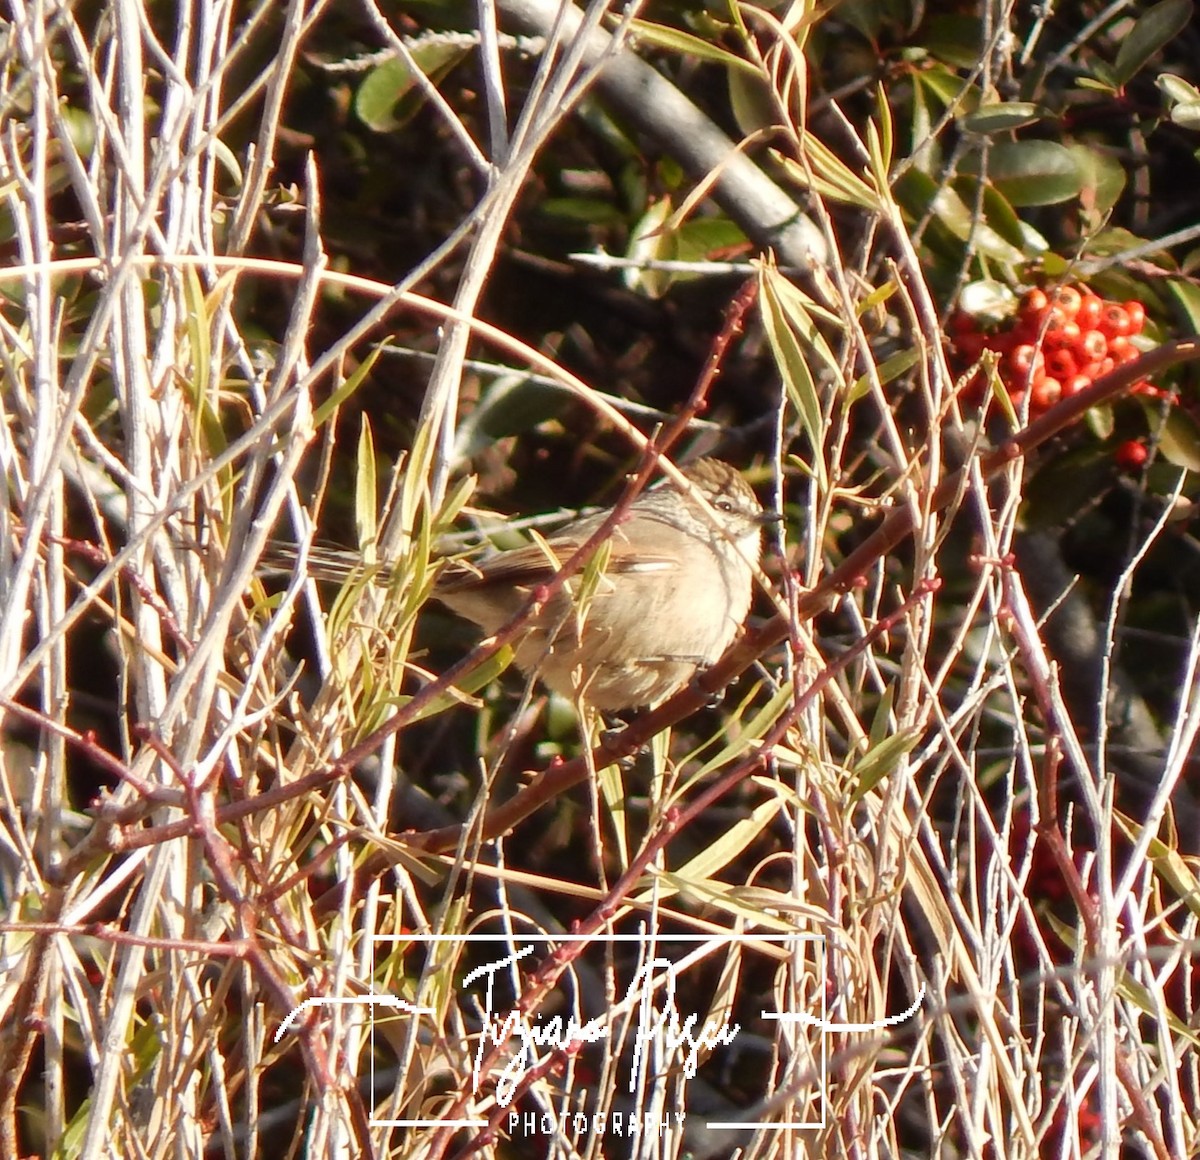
column 1044, row 393
column 972, row 391
column 1114, row 320
column 1025, row 359
column 961, row 322
column 970, row 346
column 1075, row 384
column 1131, row 455
column 1064, row 337
column 1137, row 315
column 1089, row 311
column 1034, row 301
column 1067, row 300
column 1061, row 364
column 1106, row 366
column 1093, row 346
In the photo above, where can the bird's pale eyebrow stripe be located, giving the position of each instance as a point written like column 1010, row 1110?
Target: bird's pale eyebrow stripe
column 644, row 566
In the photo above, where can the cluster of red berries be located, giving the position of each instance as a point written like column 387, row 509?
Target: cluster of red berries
column 1055, row 344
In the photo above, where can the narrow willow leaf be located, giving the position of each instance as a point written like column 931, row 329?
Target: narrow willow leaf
column 879, row 761
column 688, row 45
column 881, row 719
column 1169, row 865
column 891, row 368
column 792, row 363
column 728, row 848
column 887, row 134
column 612, row 792
column 197, row 331
column 740, row 902
column 751, row 733
column 366, row 498
column 876, row 298
column 348, row 387
column 829, row 176
column 478, row 678
column 416, row 474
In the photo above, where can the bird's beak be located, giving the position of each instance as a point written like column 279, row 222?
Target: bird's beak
column 769, row 518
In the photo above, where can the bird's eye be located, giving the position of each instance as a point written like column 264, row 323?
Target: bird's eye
column 724, row 505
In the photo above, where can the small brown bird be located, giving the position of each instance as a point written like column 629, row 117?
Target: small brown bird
column 675, row 589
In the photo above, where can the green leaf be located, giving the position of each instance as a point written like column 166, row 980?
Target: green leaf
column 478, row 678
column 787, row 315
column 751, row 103
column 1179, row 440
column 611, row 784
column 1064, row 485
column 1169, row 865
column 1000, row 216
column 948, row 87
column 1176, row 89
column 1186, row 115
column 955, row 38
column 926, row 153
column 686, row 44
column 919, row 193
column 380, row 102
column 887, row 137
column 1101, row 80
column 650, row 240
column 1032, row 172
column 1187, row 302
column 198, row 336
column 1101, row 423
column 737, row 742
column 1153, row 31
column 989, row 301
column 728, row 847
column 347, row 388
column 1003, row 117
column 880, row 760
column 891, row 368
column 591, row 210
column 881, row 718
column 698, row 238
column 877, row 297
column 513, row 404
column 81, row 128
column 365, row 498
column 1103, row 180
column 829, row 176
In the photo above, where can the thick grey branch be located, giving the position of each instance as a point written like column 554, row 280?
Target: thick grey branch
column 767, row 214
